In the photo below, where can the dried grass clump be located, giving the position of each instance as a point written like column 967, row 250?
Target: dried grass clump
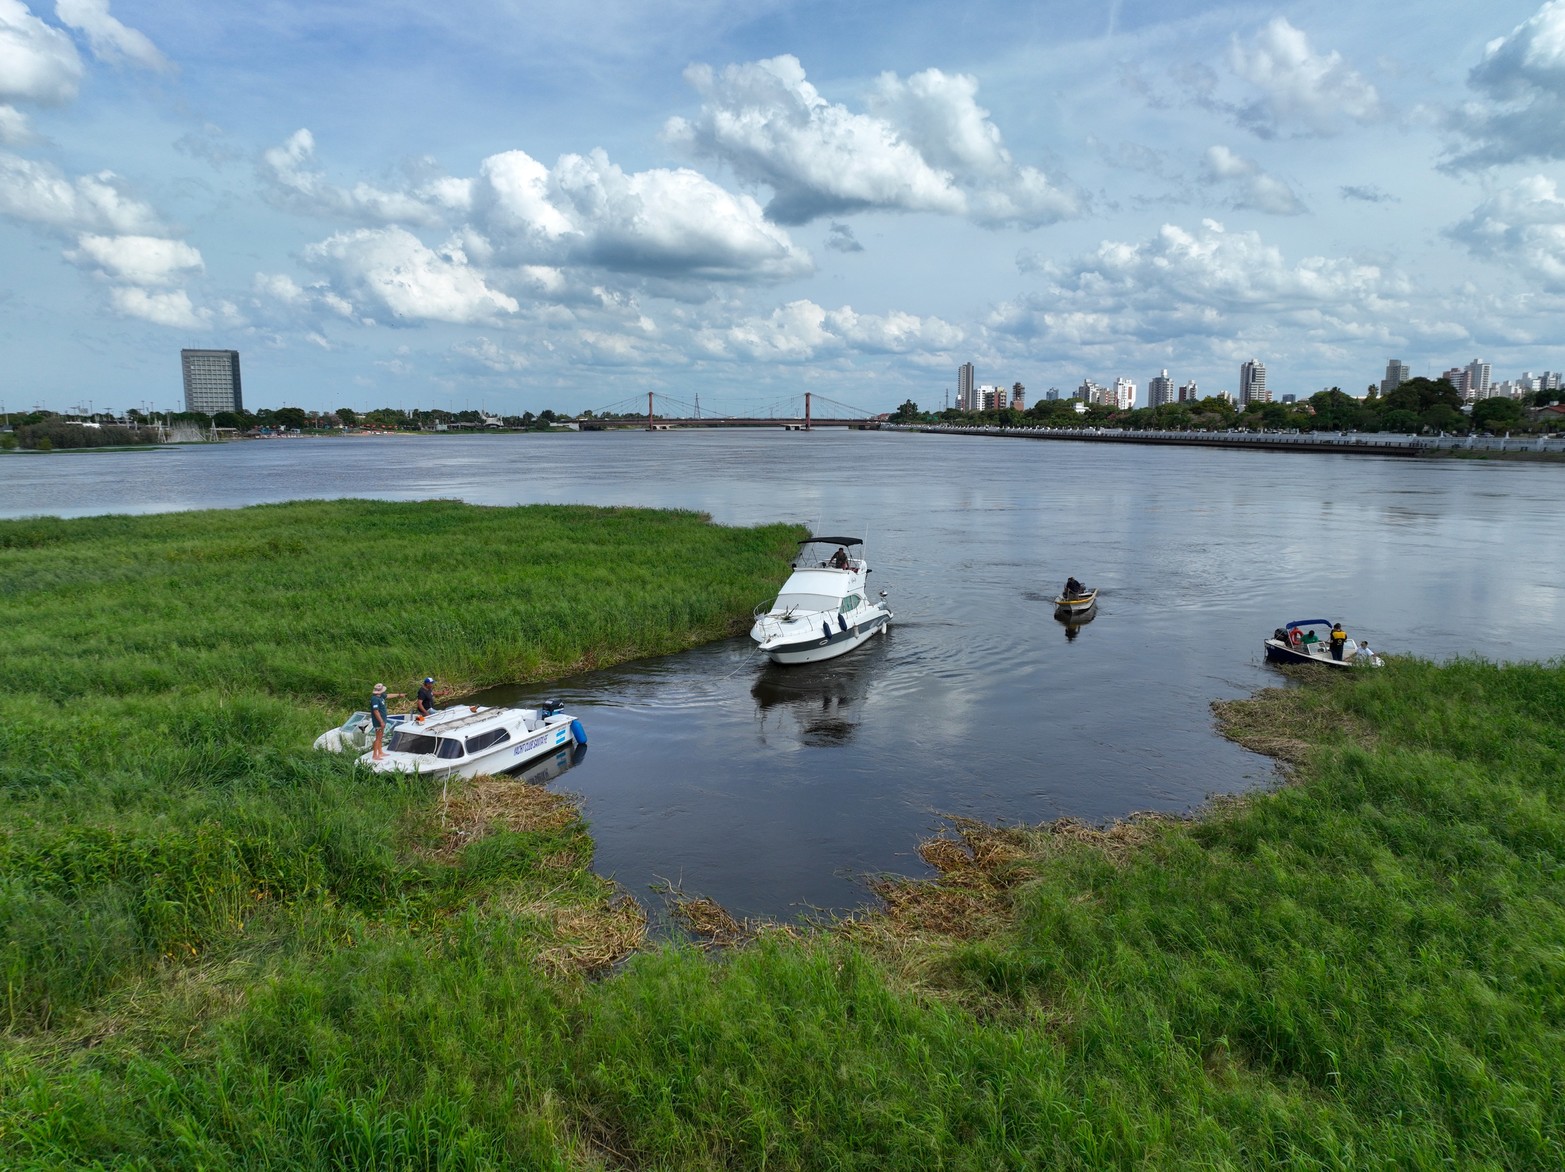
column 916, row 906
column 708, row 920
column 590, row 939
column 1117, row 840
column 483, row 803
column 1287, row 723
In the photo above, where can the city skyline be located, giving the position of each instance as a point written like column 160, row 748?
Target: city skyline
column 484, row 208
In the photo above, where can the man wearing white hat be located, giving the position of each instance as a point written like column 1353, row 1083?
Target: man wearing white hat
column 378, row 698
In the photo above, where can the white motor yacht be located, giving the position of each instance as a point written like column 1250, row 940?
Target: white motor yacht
column 824, row 608
column 464, row 742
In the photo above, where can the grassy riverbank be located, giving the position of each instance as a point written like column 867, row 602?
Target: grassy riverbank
column 221, row 959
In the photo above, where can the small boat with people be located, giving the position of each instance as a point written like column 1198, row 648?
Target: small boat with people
column 824, row 609
column 464, row 742
column 1074, row 601
column 357, row 733
column 1319, row 641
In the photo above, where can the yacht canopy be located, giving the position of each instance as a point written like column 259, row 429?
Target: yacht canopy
column 833, row 540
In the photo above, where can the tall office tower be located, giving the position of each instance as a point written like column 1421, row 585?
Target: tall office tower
column 1160, row 390
column 211, row 381
column 1397, row 373
column 1189, row 392
column 1252, row 383
column 964, row 387
column 1477, row 379
column 1124, row 394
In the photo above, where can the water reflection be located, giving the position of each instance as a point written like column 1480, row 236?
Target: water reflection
column 820, row 703
column 1073, row 623
column 543, row 771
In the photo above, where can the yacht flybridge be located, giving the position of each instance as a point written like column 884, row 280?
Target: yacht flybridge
column 824, row 608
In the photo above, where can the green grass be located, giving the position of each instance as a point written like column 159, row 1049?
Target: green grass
column 261, row 960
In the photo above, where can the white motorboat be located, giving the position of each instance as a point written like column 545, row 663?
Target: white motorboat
column 356, row 734
column 1309, row 641
column 464, row 742
column 824, row 608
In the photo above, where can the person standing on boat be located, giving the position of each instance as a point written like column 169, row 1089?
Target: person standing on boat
column 839, row 560
column 1339, row 641
column 424, row 702
column 1073, row 587
column 378, row 698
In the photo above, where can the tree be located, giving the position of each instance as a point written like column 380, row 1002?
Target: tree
column 1334, row 411
column 907, row 413
column 347, row 416
column 1498, row 414
column 292, row 418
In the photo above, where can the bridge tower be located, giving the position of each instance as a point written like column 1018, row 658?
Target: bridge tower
column 806, row 410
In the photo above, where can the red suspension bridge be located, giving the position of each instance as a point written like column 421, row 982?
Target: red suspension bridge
column 664, row 412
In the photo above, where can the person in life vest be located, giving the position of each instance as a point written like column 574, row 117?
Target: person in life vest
column 1339, row 641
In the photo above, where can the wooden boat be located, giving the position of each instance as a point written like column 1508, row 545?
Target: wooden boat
column 1075, row 604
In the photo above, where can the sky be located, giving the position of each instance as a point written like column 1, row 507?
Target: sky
column 515, row 206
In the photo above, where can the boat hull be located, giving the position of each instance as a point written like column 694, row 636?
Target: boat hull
column 558, row 732
column 1075, row 606
column 1279, row 652
column 821, row 647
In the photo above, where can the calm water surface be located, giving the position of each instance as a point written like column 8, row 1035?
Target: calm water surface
column 777, row 790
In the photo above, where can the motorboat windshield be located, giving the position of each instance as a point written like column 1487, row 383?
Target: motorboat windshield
column 806, row 603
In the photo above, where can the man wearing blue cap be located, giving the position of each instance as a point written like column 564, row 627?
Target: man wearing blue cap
column 424, row 705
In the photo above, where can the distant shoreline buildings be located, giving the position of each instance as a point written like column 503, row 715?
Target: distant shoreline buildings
column 1472, row 382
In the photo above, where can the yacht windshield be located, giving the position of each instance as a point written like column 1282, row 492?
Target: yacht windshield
column 803, row 603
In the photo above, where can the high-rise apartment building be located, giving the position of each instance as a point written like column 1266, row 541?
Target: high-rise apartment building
column 1160, row 390
column 1477, row 379
column 1189, row 392
column 1018, row 397
column 1458, row 377
column 1397, row 373
column 1124, row 394
column 964, row 387
column 211, row 381
column 1252, row 383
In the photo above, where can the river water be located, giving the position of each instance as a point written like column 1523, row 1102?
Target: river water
column 775, row 791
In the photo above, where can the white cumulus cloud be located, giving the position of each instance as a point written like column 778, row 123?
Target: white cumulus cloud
column 1522, row 227
column 1250, row 187
column 1203, row 283
column 138, row 260
column 108, row 38
column 38, row 63
column 390, row 270
column 925, row 146
column 166, row 308
column 1300, row 89
column 291, row 180
column 1521, row 115
column 802, row 330
column 39, row 193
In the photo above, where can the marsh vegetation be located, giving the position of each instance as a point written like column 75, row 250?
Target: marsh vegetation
column 222, row 950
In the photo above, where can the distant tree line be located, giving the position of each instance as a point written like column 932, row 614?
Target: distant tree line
column 1420, row 405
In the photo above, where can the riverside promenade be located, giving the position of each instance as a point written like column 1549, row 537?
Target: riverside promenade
column 1353, row 443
